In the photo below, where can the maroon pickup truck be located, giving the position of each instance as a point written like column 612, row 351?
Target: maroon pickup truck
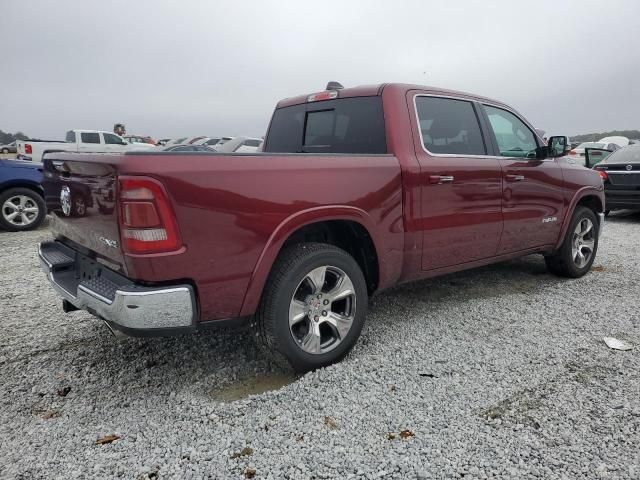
column 356, row 190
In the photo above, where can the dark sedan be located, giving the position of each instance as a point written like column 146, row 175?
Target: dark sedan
column 620, row 172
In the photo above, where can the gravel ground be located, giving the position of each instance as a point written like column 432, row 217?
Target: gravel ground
column 496, row 372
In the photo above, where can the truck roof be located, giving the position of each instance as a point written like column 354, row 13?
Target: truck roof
column 373, row 90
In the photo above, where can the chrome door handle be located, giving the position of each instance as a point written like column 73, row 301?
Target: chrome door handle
column 515, row 178
column 440, row 179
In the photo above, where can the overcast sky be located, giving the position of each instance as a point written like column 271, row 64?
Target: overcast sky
column 175, row 68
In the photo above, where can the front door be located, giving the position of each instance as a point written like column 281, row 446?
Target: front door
column 461, row 202
column 532, row 193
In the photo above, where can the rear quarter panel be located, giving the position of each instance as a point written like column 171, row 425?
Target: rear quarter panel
column 235, row 212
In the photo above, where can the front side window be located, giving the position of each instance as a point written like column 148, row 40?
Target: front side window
column 449, row 126
column 71, row 136
column 90, row 137
column 111, row 139
column 514, row 138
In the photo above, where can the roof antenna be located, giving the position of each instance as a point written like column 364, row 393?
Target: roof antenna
column 334, row 86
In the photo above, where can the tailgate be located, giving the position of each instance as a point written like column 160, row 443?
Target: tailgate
column 80, row 192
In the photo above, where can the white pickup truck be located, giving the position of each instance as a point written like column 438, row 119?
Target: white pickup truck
column 94, row 141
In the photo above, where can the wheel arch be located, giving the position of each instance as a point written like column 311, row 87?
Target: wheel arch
column 589, row 197
column 334, row 225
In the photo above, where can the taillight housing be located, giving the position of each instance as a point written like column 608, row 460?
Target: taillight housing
column 28, row 149
column 603, row 175
column 573, row 152
column 147, row 222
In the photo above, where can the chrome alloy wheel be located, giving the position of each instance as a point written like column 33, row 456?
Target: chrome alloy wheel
column 583, row 242
column 20, row 210
column 322, row 310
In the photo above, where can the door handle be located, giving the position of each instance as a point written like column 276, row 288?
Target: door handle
column 440, row 179
column 514, row 178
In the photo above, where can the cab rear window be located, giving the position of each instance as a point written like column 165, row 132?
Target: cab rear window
column 344, row 125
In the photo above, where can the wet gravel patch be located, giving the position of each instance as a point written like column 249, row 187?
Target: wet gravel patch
column 496, row 372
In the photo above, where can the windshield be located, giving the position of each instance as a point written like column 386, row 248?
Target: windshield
column 591, row 145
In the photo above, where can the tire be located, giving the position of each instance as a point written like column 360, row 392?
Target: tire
column 28, row 207
column 566, row 262
column 334, row 314
column 5, row 150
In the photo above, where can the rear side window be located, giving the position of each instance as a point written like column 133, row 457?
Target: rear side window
column 252, row 143
column 90, row 137
column 111, row 139
column 449, row 126
column 347, row 125
column 71, row 136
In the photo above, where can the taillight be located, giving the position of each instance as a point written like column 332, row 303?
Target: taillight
column 603, row 175
column 27, row 148
column 147, row 222
column 573, row 152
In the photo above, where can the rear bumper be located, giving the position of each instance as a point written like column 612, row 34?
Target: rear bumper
column 126, row 306
column 622, row 198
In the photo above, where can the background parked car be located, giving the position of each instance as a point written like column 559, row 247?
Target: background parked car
column 144, row 139
column 239, row 145
column 22, row 204
column 78, row 141
column 188, row 148
column 620, row 173
column 598, row 153
column 9, row 148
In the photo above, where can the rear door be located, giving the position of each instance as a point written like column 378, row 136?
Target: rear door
column 532, row 192
column 89, row 142
column 113, row 143
column 461, row 182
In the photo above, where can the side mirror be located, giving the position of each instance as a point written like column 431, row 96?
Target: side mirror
column 558, row 146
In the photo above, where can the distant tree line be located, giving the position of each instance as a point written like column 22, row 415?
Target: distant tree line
column 10, row 137
column 594, row 137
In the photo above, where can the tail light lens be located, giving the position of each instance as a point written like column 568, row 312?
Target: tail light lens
column 147, row 222
column 573, row 152
column 28, row 149
column 603, row 175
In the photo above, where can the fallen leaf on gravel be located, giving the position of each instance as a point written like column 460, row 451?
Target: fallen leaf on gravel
column 616, row 344
column 330, row 422
column 300, row 438
column 428, row 375
column 245, row 452
column 63, row 392
column 393, row 388
column 407, row 434
column 391, row 436
column 598, row 268
column 51, row 414
column 250, row 473
column 107, row 439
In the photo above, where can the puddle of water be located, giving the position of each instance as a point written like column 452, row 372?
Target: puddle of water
column 252, row 386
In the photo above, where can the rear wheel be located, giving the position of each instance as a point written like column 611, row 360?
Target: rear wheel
column 578, row 250
column 5, row 150
column 313, row 307
column 22, row 209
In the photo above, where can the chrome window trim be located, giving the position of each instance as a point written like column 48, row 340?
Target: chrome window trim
column 460, row 155
column 449, row 155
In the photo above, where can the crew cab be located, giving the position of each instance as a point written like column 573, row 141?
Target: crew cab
column 78, row 141
column 356, row 190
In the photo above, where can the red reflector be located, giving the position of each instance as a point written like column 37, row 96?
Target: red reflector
column 147, row 222
column 316, row 97
column 572, row 152
column 140, row 215
column 28, row 149
column 603, row 175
